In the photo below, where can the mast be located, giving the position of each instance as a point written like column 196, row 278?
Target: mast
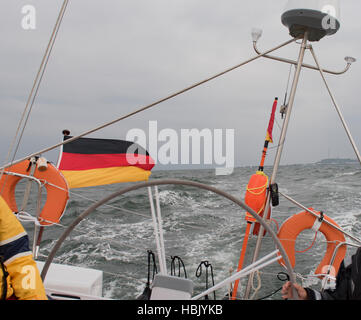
column 312, row 21
column 279, row 150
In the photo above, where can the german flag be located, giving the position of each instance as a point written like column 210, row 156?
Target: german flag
column 87, row 162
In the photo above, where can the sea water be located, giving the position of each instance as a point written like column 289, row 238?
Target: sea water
column 201, row 226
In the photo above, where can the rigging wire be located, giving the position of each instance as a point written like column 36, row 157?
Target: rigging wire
column 39, row 78
column 288, row 84
column 152, row 104
column 284, row 105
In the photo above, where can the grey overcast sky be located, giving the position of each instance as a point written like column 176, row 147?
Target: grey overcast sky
column 114, row 56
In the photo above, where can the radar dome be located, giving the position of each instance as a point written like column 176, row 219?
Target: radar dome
column 319, row 17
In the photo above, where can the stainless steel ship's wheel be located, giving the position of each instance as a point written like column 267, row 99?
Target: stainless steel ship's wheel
column 233, row 199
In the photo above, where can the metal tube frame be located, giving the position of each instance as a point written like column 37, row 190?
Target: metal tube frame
column 242, row 273
column 279, row 150
column 31, row 178
column 305, row 65
column 316, row 215
column 338, row 246
column 299, row 64
column 333, row 259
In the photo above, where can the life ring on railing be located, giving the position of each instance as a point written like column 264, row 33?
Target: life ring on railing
column 299, row 222
column 56, row 188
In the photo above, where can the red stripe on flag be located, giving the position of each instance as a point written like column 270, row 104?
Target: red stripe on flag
column 76, row 161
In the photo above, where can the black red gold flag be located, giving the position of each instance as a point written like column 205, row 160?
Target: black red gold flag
column 89, row 162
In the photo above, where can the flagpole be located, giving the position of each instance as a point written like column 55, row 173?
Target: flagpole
column 279, row 151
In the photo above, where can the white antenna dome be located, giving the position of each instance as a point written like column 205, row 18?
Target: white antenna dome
column 318, row 17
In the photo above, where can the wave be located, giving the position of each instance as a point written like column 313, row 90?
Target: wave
column 198, row 225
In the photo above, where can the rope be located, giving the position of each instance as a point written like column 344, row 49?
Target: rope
column 305, row 237
column 258, row 287
column 207, row 265
column 151, row 256
column 279, row 278
column 313, row 242
column 243, row 273
column 180, row 263
column 27, row 217
column 316, row 215
column 262, row 188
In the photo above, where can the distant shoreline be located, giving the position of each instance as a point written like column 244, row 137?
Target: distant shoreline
column 337, row 161
column 330, row 161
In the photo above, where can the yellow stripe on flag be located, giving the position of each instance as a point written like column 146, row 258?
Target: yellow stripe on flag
column 102, row 176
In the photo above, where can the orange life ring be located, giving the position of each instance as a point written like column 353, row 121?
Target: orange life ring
column 55, row 184
column 294, row 225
